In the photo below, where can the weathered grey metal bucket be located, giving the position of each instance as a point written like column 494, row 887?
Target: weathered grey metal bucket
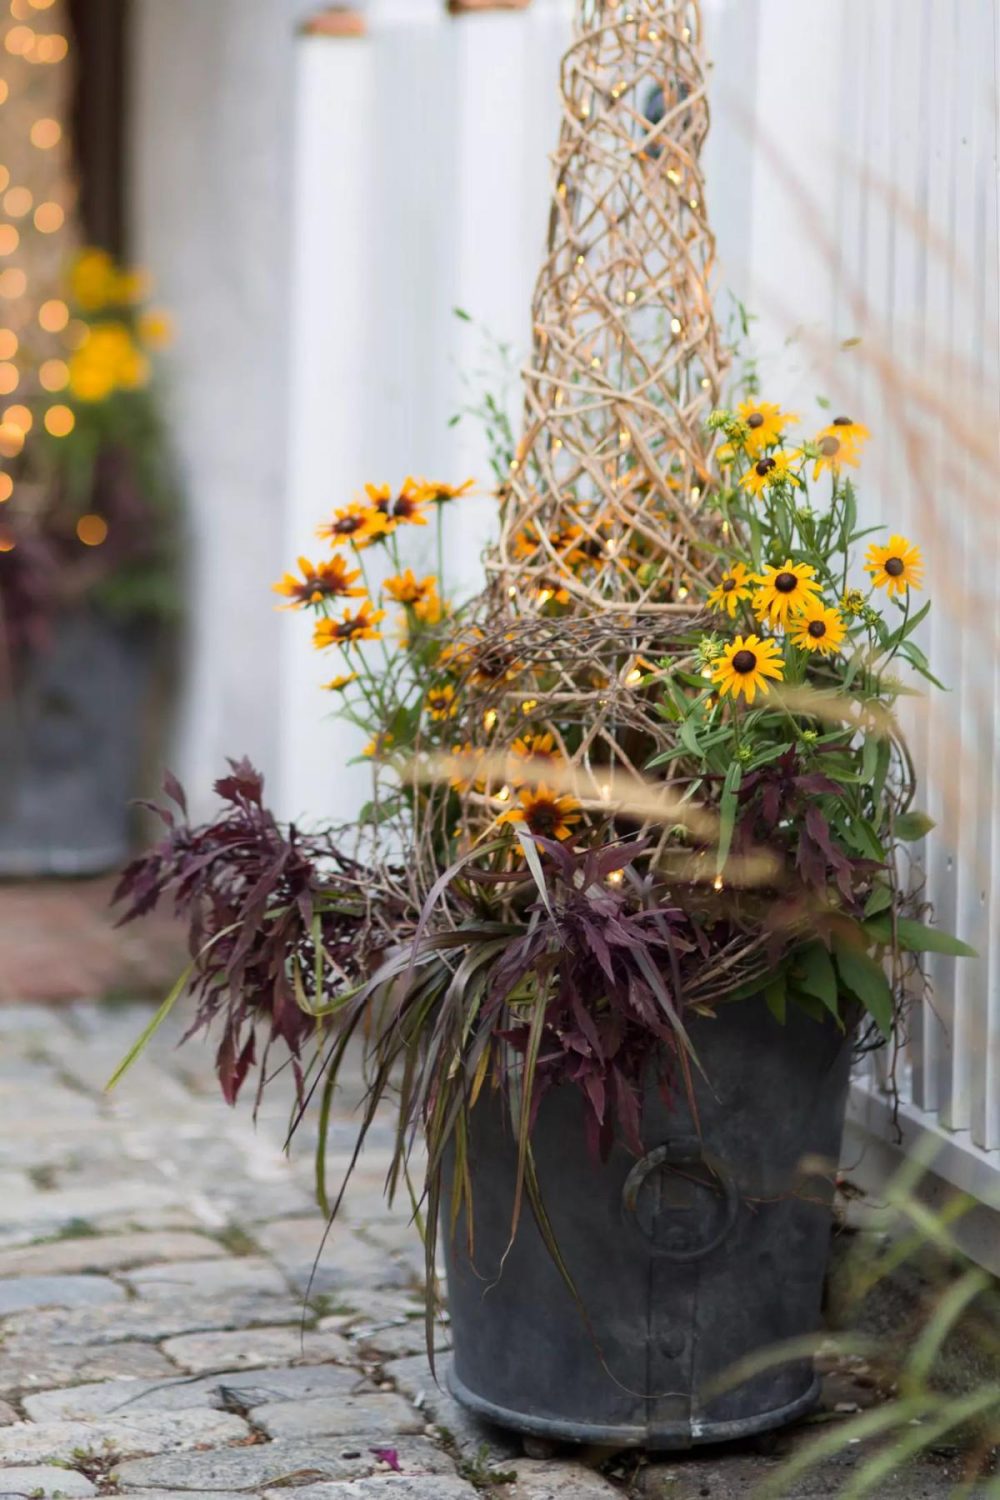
column 70, row 742
column 701, row 1253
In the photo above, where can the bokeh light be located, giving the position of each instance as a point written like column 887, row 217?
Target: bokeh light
column 53, row 374
column 53, row 316
column 8, row 343
column 10, row 378
column 19, row 40
column 6, row 488
column 92, row 530
column 17, row 202
column 18, row 416
column 49, row 217
column 9, row 239
column 59, row 421
column 46, row 133
column 11, row 440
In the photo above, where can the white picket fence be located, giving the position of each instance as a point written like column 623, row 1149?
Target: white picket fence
column 852, row 176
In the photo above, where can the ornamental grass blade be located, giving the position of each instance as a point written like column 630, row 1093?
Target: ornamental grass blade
column 161, row 1015
column 527, row 1091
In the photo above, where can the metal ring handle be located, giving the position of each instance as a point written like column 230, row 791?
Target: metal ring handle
column 680, row 1153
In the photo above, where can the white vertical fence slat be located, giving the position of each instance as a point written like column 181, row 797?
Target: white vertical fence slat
column 986, row 1101
column 331, row 290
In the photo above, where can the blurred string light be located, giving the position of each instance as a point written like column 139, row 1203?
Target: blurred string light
column 92, row 530
column 36, row 195
column 59, row 421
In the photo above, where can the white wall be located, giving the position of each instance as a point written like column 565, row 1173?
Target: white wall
column 211, row 145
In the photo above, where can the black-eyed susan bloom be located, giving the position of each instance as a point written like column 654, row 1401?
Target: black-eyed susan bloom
column 821, row 628
column 839, row 444
column 406, row 588
column 544, row 813
column 784, row 591
column 737, row 584
column 774, row 469
column 403, row 509
column 319, row 582
column 745, row 666
column 532, row 749
column 897, row 566
column 429, row 493
column 441, row 702
column 765, row 423
column 355, row 524
column 358, row 627
column 338, row 684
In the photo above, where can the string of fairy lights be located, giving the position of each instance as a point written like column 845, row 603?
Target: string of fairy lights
column 37, row 230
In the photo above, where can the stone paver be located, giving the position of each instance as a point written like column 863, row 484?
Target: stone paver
column 57, row 1291
column 155, row 1338
column 257, row 1348
column 44, row 1481
column 147, row 1432
column 380, row 1415
column 284, row 1464
column 119, row 1252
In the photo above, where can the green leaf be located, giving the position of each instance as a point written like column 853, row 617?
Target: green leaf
column 814, row 973
column 913, row 825
column 880, row 898
column 866, row 981
column 914, row 937
column 862, row 836
column 776, row 996
column 727, row 814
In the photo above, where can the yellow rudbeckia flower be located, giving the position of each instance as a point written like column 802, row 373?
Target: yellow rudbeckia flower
column 784, row 591
column 820, row 628
column 745, row 665
column 769, row 471
column 736, row 585
column 897, row 566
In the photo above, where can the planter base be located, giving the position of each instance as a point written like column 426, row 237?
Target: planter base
column 672, row 1436
column 707, row 1251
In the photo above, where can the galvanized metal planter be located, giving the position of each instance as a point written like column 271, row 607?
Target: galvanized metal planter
column 70, row 739
column 705, row 1251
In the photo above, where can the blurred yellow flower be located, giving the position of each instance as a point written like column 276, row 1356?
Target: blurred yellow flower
column 93, row 280
column 156, row 328
column 106, row 361
column 441, row 702
column 406, row 588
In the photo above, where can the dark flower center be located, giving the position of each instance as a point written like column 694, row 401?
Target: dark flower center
column 543, row 818
column 764, row 466
column 728, row 584
column 894, row 566
column 786, row 583
column 829, row 446
column 744, row 662
column 755, row 420
column 347, row 525
column 843, row 421
column 404, row 506
column 817, row 629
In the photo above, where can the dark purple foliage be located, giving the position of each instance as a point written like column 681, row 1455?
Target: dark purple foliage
column 256, row 897
column 613, row 957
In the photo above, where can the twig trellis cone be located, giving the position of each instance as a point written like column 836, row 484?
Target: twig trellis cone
column 603, row 506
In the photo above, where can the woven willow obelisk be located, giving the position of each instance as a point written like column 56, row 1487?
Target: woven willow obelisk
column 603, row 522
column 605, row 490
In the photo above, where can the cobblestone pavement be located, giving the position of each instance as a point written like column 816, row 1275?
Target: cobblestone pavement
column 161, row 1329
